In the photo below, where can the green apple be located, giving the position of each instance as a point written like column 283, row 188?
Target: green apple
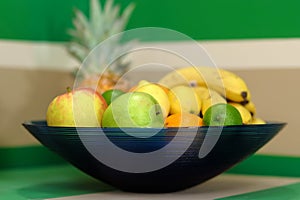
column 80, row 107
column 133, row 109
column 157, row 92
column 110, row 95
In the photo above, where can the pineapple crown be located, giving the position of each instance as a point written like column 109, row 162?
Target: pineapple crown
column 101, row 24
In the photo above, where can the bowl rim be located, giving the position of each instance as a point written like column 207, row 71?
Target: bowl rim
column 230, row 130
column 44, row 124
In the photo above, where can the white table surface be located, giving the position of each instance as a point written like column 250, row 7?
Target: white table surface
column 221, row 186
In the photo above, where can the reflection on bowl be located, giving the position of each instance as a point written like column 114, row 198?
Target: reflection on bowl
column 234, row 144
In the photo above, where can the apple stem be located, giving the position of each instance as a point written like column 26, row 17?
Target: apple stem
column 69, row 89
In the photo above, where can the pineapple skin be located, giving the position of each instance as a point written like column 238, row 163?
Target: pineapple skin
column 106, row 81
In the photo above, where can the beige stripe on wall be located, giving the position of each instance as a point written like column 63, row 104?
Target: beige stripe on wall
column 232, row 54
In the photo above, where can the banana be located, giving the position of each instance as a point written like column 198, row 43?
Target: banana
column 208, row 97
column 245, row 114
column 251, row 107
column 257, row 120
column 224, row 82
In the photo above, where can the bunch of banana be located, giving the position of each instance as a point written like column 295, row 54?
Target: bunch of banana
column 224, row 82
column 214, row 86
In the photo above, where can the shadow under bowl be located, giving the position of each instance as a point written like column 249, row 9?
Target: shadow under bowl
column 176, row 165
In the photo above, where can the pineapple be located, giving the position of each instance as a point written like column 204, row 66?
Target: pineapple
column 88, row 33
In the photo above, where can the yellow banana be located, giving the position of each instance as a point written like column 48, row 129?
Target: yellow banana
column 245, row 114
column 228, row 84
column 208, row 97
column 251, row 107
column 257, row 120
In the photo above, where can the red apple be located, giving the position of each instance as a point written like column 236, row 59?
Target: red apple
column 81, row 107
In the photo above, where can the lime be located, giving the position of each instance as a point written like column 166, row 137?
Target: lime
column 110, row 95
column 222, row 114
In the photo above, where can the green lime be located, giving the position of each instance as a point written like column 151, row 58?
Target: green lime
column 110, row 95
column 222, row 114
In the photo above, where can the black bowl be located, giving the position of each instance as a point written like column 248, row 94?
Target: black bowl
column 172, row 169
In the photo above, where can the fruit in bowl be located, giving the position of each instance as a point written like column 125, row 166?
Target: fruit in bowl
column 222, row 114
column 80, row 107
column 133, row 109
column 139, row 148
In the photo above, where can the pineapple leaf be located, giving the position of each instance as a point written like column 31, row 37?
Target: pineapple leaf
column 78, row 51
column 80, row 22
column 95, row 10
column 108, row 6
column 127, row 12
column 88, row 32
column 96, row 18
column 82, row 28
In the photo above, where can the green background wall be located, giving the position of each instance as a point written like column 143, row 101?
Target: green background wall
column 45, row 20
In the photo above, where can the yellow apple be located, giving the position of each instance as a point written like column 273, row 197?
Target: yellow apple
column 81, row 107
column 184, row 100
column 157, row 92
